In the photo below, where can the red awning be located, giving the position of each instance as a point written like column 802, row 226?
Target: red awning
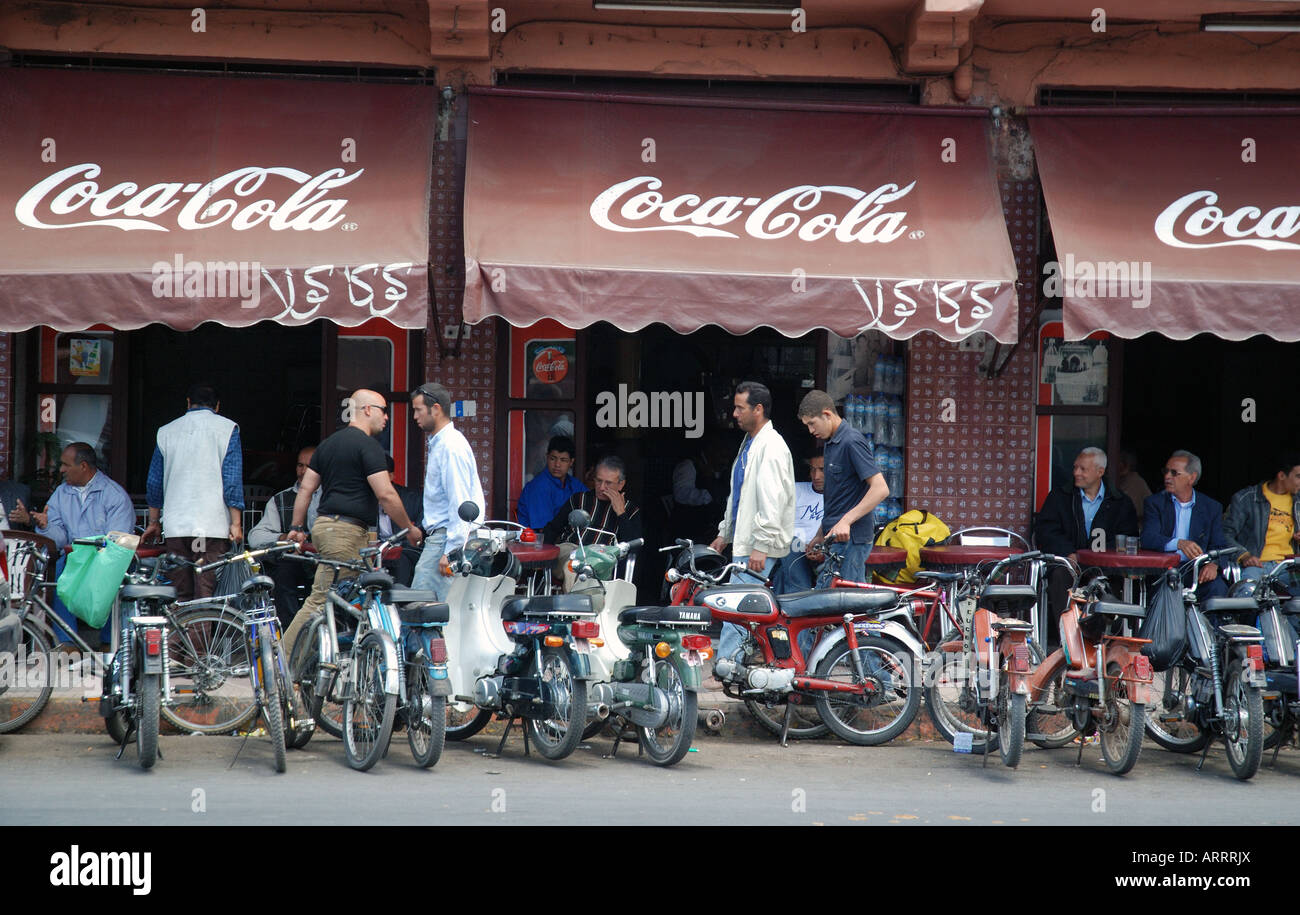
column 129, row 199
column 633, row 210
column 1179, row 222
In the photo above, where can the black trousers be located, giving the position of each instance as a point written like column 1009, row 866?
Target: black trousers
column 288, row 574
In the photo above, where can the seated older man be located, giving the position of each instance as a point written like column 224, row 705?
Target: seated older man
column 86, row 504
column 1185, row 521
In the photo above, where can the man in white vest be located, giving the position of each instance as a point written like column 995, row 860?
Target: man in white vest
column 196, row 488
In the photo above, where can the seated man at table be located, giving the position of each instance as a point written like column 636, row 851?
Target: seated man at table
column 288, row 574
column 613, row 516
column 1185, row 521
column 546, row 492
column 1264, row 519
column 86, row 504
column 1081, row 515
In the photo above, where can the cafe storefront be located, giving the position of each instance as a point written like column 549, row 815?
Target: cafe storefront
column 269, row 236
column 652, row 251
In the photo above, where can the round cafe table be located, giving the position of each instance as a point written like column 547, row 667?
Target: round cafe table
column 887, row 560
column 536, row 558
column 1133, row 566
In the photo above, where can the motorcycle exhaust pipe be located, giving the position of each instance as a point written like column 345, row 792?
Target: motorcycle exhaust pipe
column 712, row 719
column 601, row 711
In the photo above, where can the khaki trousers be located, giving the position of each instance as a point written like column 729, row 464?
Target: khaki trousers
column 333, row 540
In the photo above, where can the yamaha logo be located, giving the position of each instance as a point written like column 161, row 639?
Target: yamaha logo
column 688, row 615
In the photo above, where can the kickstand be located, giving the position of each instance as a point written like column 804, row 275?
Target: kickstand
column 1205, row 752
column 242, row 744
column 1078, row 760
column 988, row 739
column 510, row 722
column 126, row 737
column 785, row 724
column 1282, row 738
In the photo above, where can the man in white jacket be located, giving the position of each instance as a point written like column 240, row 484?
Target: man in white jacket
column 759, row 518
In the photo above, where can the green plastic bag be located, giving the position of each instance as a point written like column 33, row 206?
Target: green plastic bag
column 91, row 578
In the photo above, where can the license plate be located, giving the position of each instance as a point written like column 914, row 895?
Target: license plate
column 581, row 646
column 692, row 658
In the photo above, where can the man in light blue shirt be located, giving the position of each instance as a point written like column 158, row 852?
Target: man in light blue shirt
column 450, row 478
column 86, row 504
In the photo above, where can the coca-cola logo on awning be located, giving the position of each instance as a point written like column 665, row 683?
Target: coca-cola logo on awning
column 810, row 212
column 1196, row 221
column 292, row 199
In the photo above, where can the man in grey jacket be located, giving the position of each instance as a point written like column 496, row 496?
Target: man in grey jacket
column 1264, row 519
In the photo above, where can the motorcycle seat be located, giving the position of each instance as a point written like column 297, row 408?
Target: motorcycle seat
column 674, row 615
column 1008, row 600
column 835, row 602
column 144, row 592
column 1001, row 625
column 1117, row 608
column 375, row 579
column 257, row 583
column 927, row 575
column 407, row 596
column 1238, row 631
column 424, row 613
column 1230, row 605
column 575, row 604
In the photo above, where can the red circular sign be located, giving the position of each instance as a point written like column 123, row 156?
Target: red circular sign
column 550, row 365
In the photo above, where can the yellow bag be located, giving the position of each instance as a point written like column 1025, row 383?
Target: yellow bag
column 910, row 531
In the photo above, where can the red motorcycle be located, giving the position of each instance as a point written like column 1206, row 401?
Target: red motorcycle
column 864, row 683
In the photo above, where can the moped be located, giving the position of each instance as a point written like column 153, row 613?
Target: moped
column 1099, row 677
column 1217, row 687
column 1281, row 695
column 649, row 681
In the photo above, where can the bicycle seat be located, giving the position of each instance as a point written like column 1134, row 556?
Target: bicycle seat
column 407, row 596
column 1008, row 600
column 667, row 616
column 376, row 580
column 425, row 613
column 1118, row 608
column 835, row 602
column 258, row 582
column 543, row 605
column 927, row 575
column 1230, row 605
column 146, row 592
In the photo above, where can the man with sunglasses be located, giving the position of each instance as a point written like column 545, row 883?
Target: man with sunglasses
column 1185, row 521
column 351, row 470
column 450, row 478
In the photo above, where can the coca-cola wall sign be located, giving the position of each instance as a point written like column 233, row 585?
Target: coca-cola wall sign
column 640, row 210
column 129, row 198
column 1209, row 200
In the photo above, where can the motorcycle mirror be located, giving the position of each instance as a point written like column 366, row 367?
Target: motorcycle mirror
column 468, row 510
column 579, row 518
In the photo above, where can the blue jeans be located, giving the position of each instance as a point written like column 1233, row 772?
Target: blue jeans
column 427, row 575
column 732, row 635
column 852, row 568
column 795, row 573
column 105, row 634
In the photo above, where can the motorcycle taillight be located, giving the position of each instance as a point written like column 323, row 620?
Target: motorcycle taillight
column 1020, row 658
column 585, row 629
column 1256, row 655
column 696, row 642
column 438, row 651
column 153, row 642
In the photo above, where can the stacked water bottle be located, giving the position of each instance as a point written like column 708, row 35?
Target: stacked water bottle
column 880, row 418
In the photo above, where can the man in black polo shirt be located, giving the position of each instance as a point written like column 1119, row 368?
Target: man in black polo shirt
column 351, row 469
column 854, row 487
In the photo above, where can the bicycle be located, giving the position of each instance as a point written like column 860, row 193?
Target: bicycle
column 269, row 683
column 398, row 659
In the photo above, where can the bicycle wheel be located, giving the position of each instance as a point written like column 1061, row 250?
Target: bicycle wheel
column 558, row 736
column 26, row 685
column 146, row 726
column 668, row 743
column 305, row 665
column 368, row 710
column 426, row 719
column 1011, row 726
column 1120, row 730
column 883, row 713
column 1167, row 721
column 1243, row 733
column 1048, row 721
column 209, row 666
column 950, row 702
column 272, row 710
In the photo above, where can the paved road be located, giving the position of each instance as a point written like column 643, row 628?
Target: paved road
column 73, row 779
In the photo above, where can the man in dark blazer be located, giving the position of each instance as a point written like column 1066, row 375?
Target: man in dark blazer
column 1072, row 515
column 1184, row 520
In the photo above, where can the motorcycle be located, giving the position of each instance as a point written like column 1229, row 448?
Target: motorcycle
column 864, row 684
column 650, row 680
column 1216, row 689
column 1281, row 695
column 539, row 671
column 1099, row 676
